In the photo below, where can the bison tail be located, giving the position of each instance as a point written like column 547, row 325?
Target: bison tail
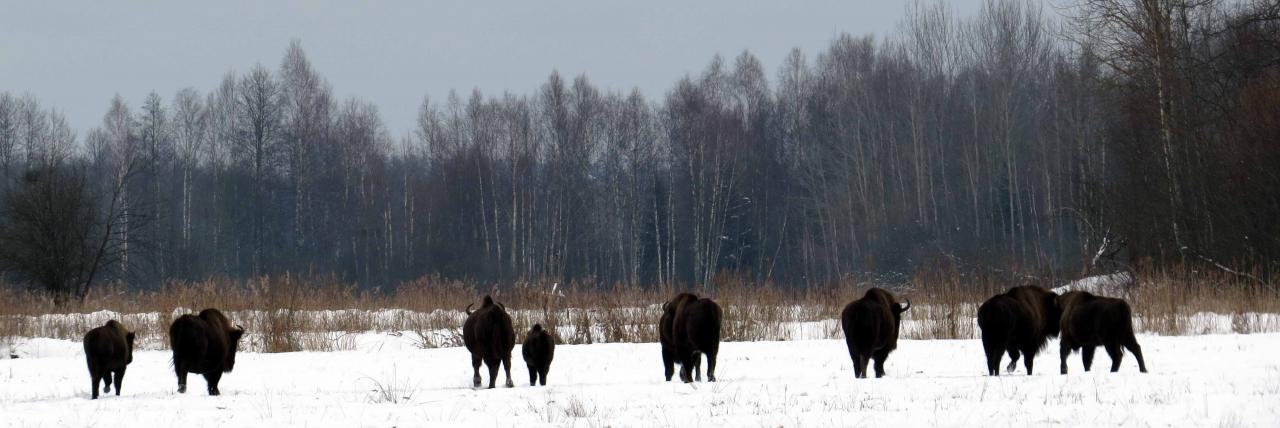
column 186, row 340
column 991, row 319
column 1122, row 319
column 868, row 327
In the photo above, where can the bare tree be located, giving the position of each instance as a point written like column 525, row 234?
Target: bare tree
column 257, row 148
column 191, row 136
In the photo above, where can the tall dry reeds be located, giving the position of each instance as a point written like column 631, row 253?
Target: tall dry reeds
column 292, row 313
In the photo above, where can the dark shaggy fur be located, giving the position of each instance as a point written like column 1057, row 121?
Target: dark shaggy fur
column 689, row 328
column 539, row 349
column 1018, row 321
column 108, row 350
column 204, row 344
column 490, row 337
column 871, row 329
column 1090, row 321
column 666, row 335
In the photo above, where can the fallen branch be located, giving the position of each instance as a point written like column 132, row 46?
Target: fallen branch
column 1225, row 268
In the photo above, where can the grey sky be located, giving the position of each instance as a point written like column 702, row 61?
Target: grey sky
column 75, row 55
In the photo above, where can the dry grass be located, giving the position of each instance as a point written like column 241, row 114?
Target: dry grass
column 288, row 313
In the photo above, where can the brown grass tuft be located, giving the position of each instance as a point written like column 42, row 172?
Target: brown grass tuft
column 291, row 313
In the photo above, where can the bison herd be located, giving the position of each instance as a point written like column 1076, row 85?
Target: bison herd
column 1018, row 322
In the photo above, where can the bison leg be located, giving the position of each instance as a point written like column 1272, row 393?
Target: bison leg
column 1117, row 354
column 1028, row 359
column 492, row 365
column 1013, row 361
column 212, row 378
column 542, row 373
column 711, row 365
column 668, row 361
column 860, row 365
column 1064, row 351
column 533, row 375
column 1086, row 355
column 686, row 371
column 506, row 368
column 1132, row 345
column 475, row 366
column 853, row 355
column 119, row 380
column 697, row 366
column 181, row 370
column 994, row 353
column 95, row 376
column 880, row 356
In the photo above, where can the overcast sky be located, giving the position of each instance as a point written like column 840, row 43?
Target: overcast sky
column 75, row 55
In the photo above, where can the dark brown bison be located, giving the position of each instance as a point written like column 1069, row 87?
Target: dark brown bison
column 204, row 344
column 689, row 328
column 871, row 329
column 1018, row 321
column 539, row 349
column 490, row 337
column 108, row 349
column 1089, row 321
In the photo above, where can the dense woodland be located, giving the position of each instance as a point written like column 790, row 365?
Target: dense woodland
column 1019, row 139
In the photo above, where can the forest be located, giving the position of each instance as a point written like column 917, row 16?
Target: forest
column 1096, row 136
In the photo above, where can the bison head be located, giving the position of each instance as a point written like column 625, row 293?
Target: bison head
column 128, row 340
column 233, row 345
column 1053, row 314
column 900, row 308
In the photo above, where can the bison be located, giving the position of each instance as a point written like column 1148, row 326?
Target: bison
column 1018, row 321
column 490, row 338
column 1089, row 321
column 108, row 349
column 539, row 348
column 204, row 344
column 690, row 327
column 871, row 329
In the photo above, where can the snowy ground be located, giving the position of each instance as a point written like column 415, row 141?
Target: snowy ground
column 1223, row 380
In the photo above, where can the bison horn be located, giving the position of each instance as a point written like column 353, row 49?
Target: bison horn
column 504, row 307
column 469, row 305
column 908, row 306
column 240, row 327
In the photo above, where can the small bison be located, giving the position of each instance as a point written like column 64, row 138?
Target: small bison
column 1089, row 321
column 204, row 344
column 108, row 349
column 490, row 338
column 539, row 348
column 871, row 329
column 1018, row 321
column 690, row 327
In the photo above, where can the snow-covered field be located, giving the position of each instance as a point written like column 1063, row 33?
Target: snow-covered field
column 1201, row 381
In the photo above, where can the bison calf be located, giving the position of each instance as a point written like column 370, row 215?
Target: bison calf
column 871, row 329
column 204, row 344
column 1089, row 321
column 490, row 338
column 1018, row 321
column 689, row 328
column 108, row 350
column 538, row 350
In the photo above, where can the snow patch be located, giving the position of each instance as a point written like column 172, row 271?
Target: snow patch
column 1194, row 381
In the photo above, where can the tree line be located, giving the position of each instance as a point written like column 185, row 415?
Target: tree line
column 1010, row 139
